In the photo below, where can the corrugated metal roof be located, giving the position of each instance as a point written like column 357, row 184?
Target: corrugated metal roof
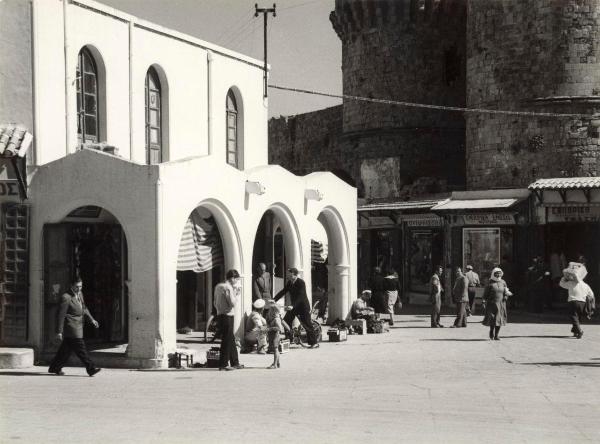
column 14, row 139
column 404, row 205
column 475, row 204
column 565, row 183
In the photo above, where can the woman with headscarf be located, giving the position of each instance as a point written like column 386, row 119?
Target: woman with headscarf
column 495, row 294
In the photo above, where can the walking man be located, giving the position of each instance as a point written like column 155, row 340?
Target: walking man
column 473, row 284
column 226, row 301
column 579, row 293
column 70, row 330
column 460, row 297
column 296, row 287
column 435, row 294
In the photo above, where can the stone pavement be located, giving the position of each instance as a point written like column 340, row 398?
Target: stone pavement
column 414, row 384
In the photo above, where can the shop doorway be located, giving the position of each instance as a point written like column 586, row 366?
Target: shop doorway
column 577, row 242
column 200, row 267
column 89, row 244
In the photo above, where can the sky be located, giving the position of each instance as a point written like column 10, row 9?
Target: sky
column 304, row 50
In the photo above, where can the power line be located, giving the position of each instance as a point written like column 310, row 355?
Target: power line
column 429, row 106
column 301, row 4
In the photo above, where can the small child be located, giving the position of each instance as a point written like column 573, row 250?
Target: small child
column 275, row 328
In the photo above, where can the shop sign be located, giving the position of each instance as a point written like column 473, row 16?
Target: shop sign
column 574, row 213
column 377, row 221
column 9, row 188
column 489, row 219
column 423, row 220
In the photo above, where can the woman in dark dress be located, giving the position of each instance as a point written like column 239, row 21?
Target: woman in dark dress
column 495, row 294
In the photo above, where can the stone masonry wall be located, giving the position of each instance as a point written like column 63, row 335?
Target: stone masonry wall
column 532, row 55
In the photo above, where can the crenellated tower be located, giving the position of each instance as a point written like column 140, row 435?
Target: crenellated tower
column 405, row 50
column 532, row 55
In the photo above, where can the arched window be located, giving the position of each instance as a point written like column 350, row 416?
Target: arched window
column 232, row 130
column 154, row 142
column 87, row 97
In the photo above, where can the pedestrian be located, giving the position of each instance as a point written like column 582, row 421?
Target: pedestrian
column 472, row 289
column 261, row 284
column 495, row 295
column 71, row 317
column 378, row 289
column 460, row 296
column 579, row 293
column 391, row 287
column 435, row 294
column 296, row 287
column 226, row 300
column 275, row 329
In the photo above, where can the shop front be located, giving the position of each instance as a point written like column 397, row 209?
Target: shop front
column 487, row 229
column 568, row 215
column 402, row 237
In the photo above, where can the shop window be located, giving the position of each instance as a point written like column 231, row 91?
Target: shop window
column 154, row 130
column 425, row 254
column 482, row 249
column 87, row 98
column 14, row 273
column 232, row 130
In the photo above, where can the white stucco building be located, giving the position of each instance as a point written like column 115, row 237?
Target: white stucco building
column 137, row 128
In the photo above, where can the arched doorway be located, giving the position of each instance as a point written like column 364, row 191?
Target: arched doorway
column 200, row 266
column 277, row 245
column 88, row 243
column 338, row 264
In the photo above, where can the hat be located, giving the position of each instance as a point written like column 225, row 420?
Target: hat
column 293, row 270
column 259, row 303
column 366, row 291
column 469, row 267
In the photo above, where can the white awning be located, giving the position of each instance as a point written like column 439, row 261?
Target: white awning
column 200, row 247
column 475, row 204
column 318, row 252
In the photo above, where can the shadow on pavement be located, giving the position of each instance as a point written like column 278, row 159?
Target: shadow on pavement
column 539, row 336
column 456, row 339
column 560, row 364
column 40, row 374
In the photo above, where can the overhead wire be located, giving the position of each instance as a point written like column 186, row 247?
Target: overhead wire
column 430, row 106
column 239, row 33
column 233, row 28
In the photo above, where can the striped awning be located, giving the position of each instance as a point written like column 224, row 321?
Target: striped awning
column 200, row 247
column 318, row 252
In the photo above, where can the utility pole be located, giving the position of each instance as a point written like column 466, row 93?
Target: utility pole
column 265, row 12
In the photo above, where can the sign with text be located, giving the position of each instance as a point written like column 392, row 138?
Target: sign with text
column 422, row 220
column 573, row 213
column 489, row 219
column 9, row 189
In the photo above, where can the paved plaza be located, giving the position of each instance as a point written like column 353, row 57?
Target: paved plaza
column 414, row 384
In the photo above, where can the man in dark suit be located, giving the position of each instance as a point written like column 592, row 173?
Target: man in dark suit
column 261, row 287
column 70, row 330
column 296, row 287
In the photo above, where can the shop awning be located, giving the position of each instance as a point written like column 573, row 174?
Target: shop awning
column 200, row 247
column 15, row 140
column 318, row 252
column 475, row 204
column 390, row 214
column 566, row 183
column 399, row 206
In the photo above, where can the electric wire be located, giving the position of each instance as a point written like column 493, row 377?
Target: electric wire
column 233, row 27
column 430, row 106
column 297, row 6
column 239, row 33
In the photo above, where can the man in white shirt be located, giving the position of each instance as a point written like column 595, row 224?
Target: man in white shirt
column 579, row 292
column 226, row 299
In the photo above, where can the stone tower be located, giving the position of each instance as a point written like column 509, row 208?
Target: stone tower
column 412, row 51
column 532, row 55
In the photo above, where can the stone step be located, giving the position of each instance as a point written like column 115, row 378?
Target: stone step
column 16, row 357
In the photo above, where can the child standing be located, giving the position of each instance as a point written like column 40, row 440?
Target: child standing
column 275, row 328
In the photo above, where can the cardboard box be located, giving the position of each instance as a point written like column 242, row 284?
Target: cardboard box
column 358, row 325
column 284, row 346
column 337, row 334
column 212, row 357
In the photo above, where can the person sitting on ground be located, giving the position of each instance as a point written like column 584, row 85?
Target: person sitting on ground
column 360, row 308
column 256, row 328
column 275, row 329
